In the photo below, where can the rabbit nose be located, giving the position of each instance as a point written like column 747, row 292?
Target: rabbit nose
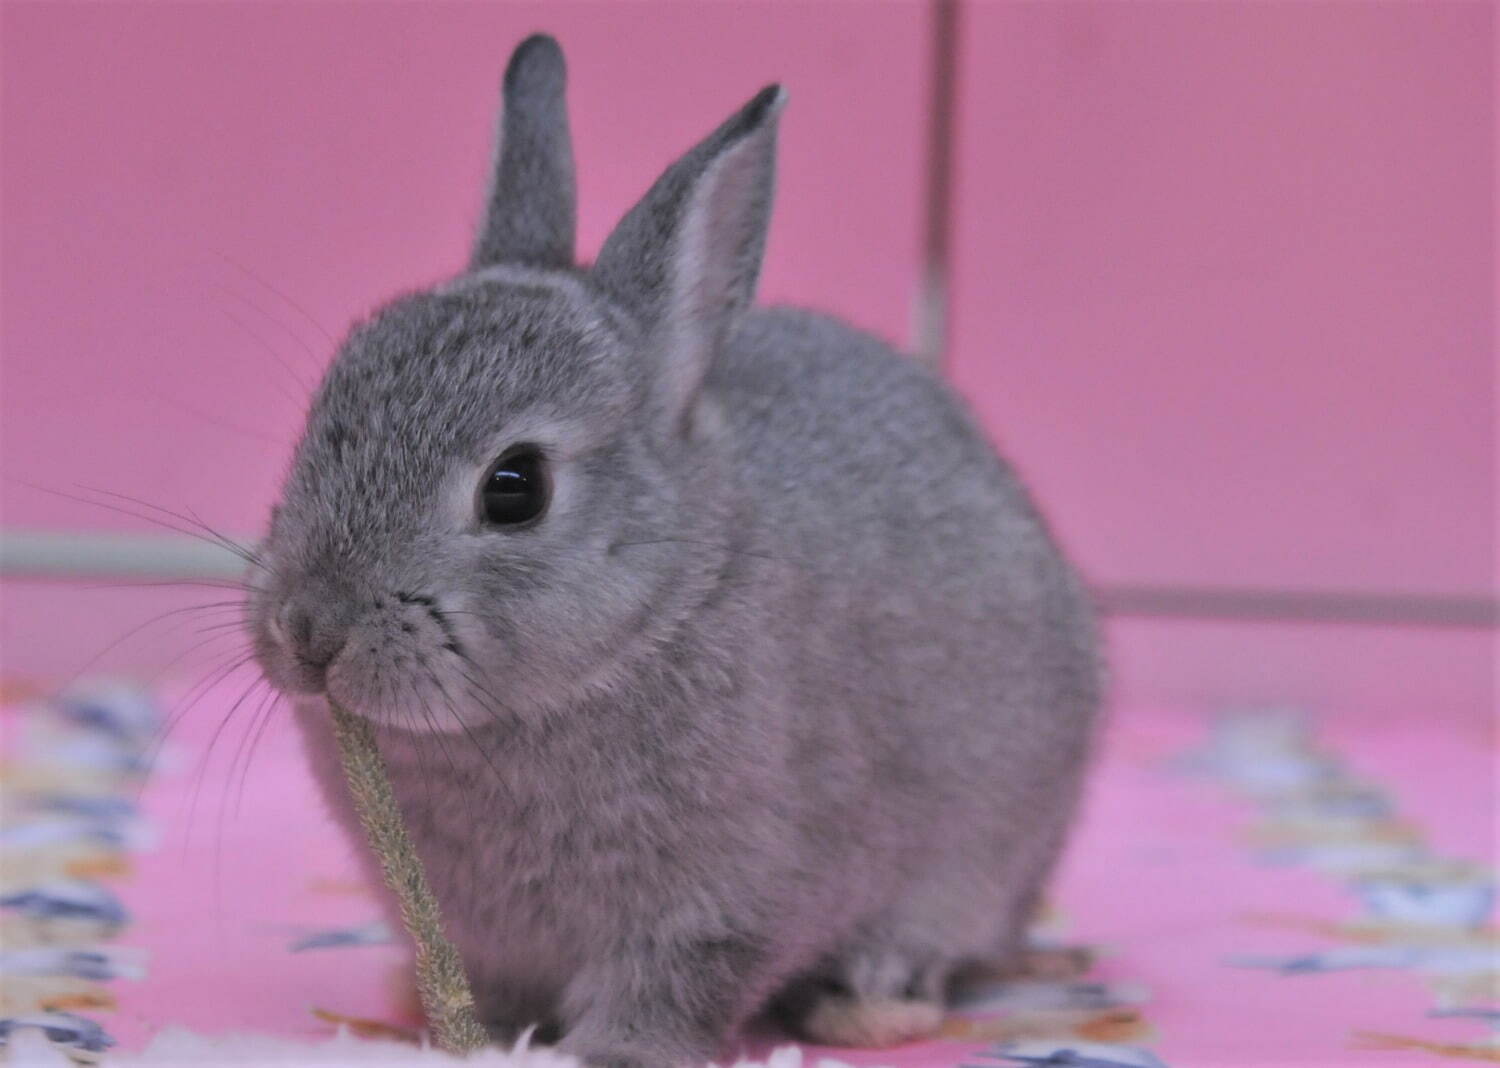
column 314, row 641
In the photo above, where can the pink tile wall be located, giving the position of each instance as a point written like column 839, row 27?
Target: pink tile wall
column 1224, row 284
column 1371, row 674
column 55, row 632
column 161, row 160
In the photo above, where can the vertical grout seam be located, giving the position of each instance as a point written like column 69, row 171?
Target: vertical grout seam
column 931, row 313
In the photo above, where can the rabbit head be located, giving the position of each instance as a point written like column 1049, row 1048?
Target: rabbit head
column 511, row 486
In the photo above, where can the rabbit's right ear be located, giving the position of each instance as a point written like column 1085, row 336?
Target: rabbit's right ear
column 532, row 210
column 685, row 260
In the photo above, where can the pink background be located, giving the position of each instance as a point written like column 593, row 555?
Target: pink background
column 1224, row 284
column 163, row 163
column 1222, row 274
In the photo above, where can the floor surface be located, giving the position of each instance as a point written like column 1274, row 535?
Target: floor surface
column 1259, row 887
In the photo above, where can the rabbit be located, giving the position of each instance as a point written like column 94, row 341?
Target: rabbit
column 721, row 667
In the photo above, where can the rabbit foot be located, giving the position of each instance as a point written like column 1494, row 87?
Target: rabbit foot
column 841, row 1020
column 1054, row 964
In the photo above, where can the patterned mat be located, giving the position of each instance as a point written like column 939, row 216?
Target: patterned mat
column 1254, row 888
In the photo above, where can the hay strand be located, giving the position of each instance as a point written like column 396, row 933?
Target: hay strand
column 441, row 982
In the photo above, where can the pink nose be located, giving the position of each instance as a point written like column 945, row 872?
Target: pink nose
column 312, row 639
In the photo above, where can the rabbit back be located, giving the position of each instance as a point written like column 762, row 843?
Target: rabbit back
column 940, row 656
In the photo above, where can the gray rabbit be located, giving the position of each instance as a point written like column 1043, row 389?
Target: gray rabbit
column 720, row 664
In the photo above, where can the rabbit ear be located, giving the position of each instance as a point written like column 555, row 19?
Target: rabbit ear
column 532, row 209
column 686, row 259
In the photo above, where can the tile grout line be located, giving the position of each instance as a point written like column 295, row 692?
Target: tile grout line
column 931, row 312
column 71, row 555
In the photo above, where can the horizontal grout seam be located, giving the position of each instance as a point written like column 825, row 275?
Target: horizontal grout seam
column 67, row 555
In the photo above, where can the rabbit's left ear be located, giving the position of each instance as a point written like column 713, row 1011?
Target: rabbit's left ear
column 686, row 259
column 532, row 210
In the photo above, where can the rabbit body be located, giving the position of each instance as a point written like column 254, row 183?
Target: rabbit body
column 785, row 701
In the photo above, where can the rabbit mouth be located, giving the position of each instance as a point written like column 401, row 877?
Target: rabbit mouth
column 402, row 662
column 410, row 686
column 401, row 693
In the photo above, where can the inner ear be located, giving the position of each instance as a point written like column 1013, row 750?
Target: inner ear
column 687, row 258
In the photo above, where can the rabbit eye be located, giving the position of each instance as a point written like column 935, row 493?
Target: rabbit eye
column 515, row 490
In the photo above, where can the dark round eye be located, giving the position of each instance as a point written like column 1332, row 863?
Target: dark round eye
column 515, row 490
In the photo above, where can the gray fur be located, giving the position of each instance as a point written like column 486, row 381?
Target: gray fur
column 787, row 696
column 532, row 208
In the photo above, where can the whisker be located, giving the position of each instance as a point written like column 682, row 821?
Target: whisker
column 192, row 518
column 437, row 737
column 241, row 621
column 153, row 749
column 208, row 752
column 409, row 716
column 241, row 751
column 121, row 511
column 286, row 299
column 270, row 350
column 485, row 700
column 270, row 703
column 300, row 341
column 216, row 539
column 468, row 794
column 218, row 849
column 225, row 584
column 468, row 798
column 217, row 422
column 467, row 659
column 262, row 684
column 133, row 631
column 255, row 684
column 434, row 732
column 502, row 782
column 162, row 671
